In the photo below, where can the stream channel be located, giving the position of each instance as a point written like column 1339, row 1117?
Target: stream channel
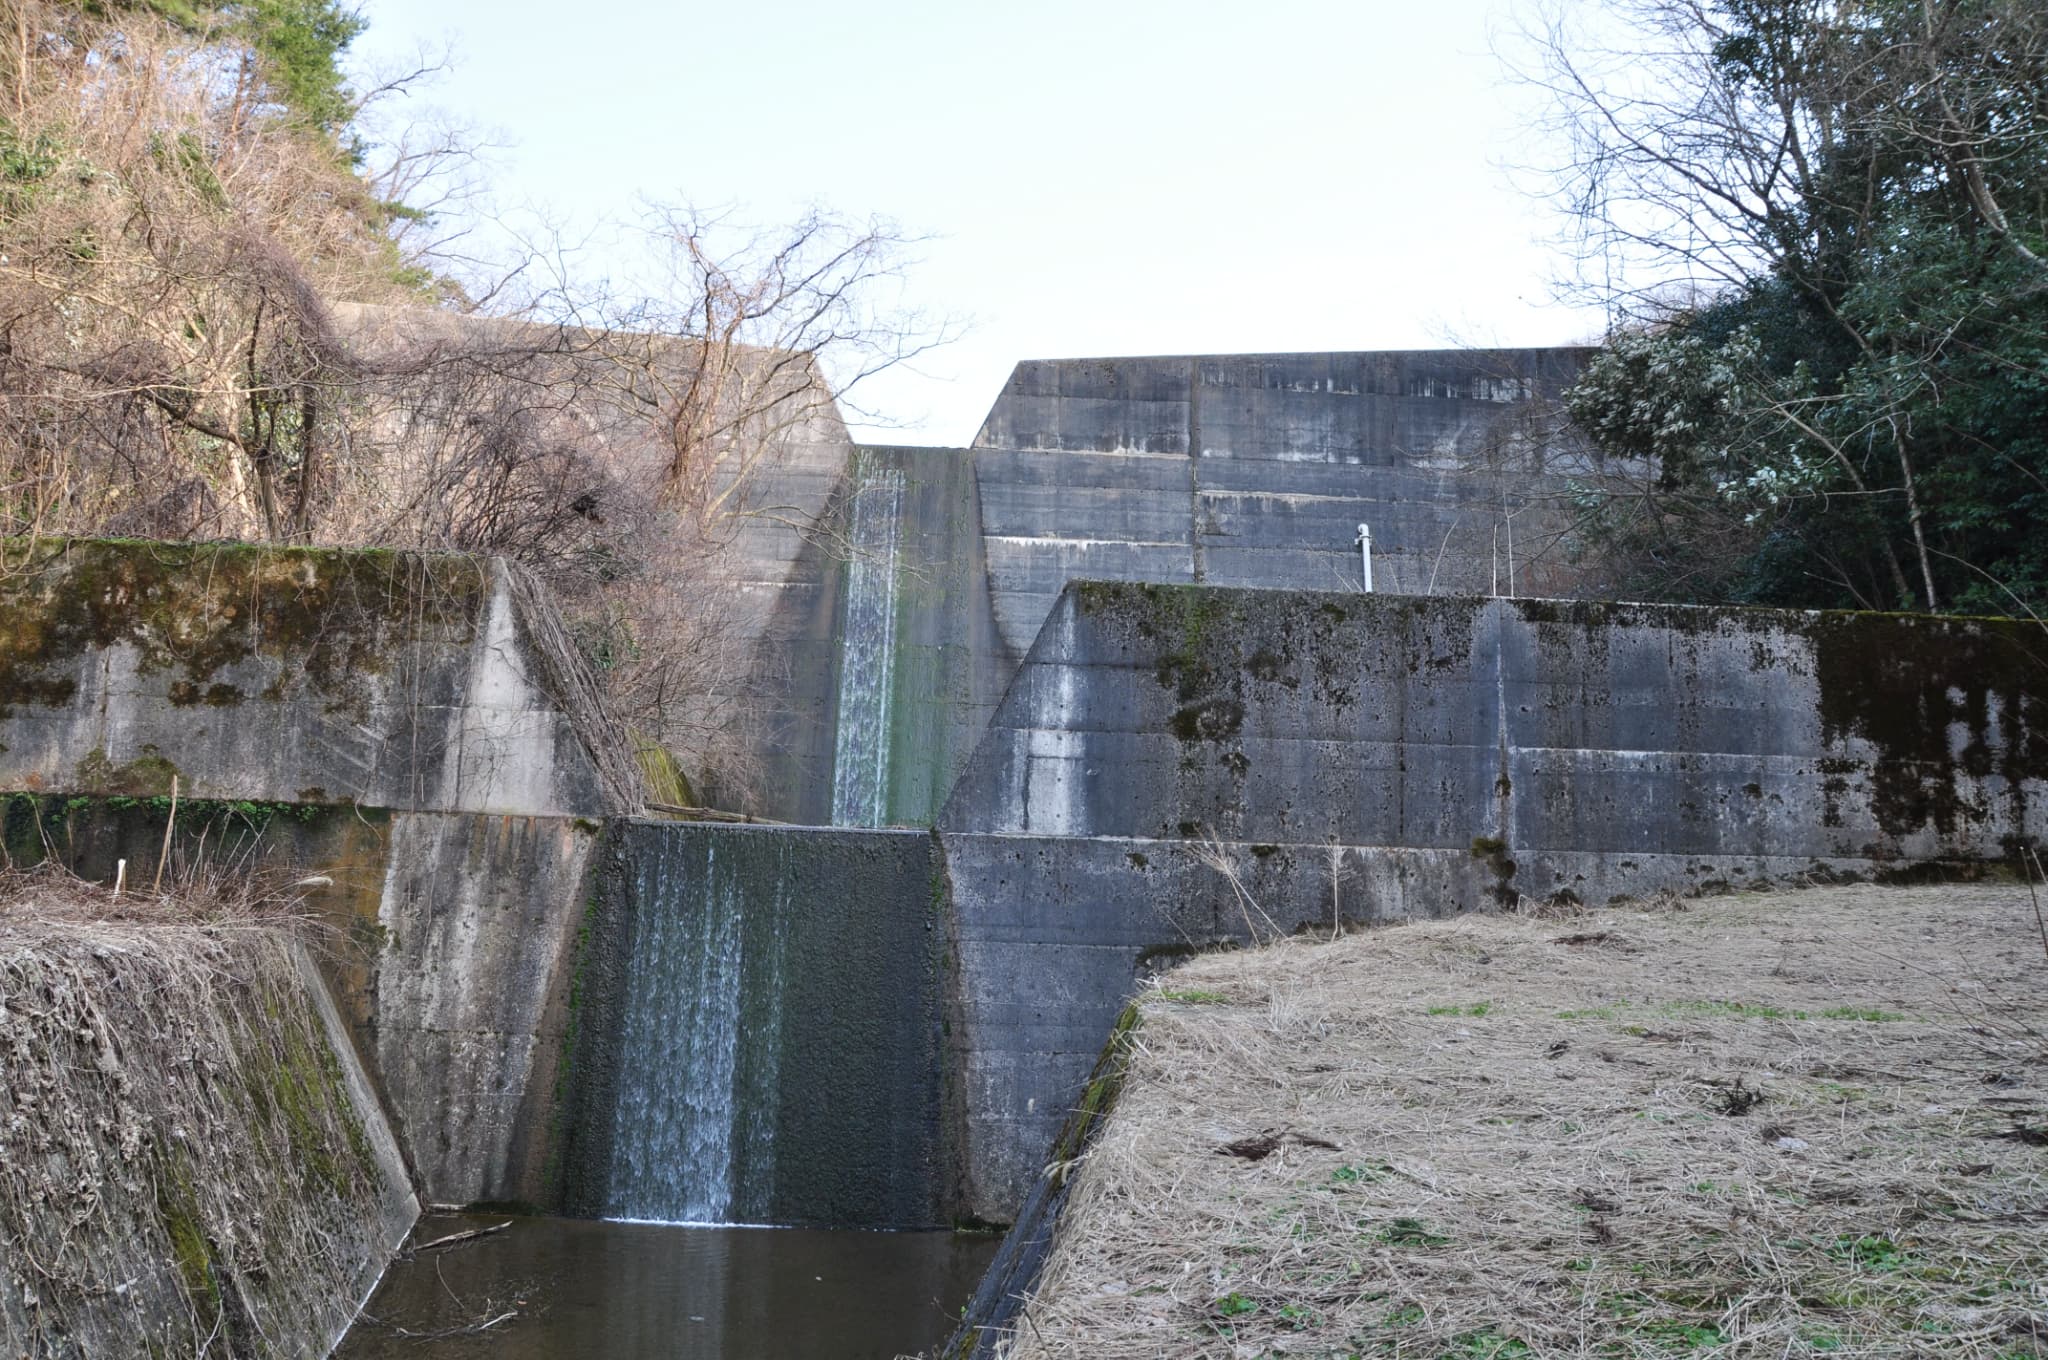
column 585, row 1290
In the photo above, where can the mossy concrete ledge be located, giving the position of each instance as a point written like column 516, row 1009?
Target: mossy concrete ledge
column 415, row 729
column 1587, row 739
column 295, row 675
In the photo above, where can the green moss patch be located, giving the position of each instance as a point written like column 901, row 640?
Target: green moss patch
column 317, row 616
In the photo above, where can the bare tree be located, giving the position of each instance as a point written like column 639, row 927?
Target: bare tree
column 210, row 326
column 745, row 342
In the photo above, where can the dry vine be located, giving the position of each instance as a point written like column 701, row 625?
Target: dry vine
column 181, row 1171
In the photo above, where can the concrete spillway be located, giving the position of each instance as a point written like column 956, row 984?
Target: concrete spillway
column 860, row 765
column 757, row 1032
column 693, row 1131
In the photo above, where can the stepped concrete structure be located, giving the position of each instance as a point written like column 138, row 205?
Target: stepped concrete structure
column 1226, row 470
column 1178, row 767
column 1102, row 689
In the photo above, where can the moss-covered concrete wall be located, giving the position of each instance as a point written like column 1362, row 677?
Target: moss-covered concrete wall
column 399, row 734
column 1351, row 757
column 288, row 675
column 1561, row 728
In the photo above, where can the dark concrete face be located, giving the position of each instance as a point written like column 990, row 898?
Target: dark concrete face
column 835, row 1065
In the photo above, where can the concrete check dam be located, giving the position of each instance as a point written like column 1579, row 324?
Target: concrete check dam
column 1056, row 707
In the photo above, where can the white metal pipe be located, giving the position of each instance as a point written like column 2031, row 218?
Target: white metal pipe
column 1364, row 542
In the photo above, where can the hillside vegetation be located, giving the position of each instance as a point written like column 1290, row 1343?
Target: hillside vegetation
column 222, row 315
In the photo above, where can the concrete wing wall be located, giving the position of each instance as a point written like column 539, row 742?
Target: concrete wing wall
column 414, row 729
column 283, row 675
column 1177, row 767
column 1565, row 729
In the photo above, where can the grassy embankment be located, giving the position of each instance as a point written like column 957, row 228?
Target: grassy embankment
column 1776, row 1125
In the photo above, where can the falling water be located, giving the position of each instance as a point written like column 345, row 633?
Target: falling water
column 694, row 1123
column 860, row 764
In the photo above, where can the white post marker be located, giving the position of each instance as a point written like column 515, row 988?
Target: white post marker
column 1364, row 542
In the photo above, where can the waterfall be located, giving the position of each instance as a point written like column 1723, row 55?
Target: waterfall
column 694, row 1122
column 860, row 761
column 759, row 1019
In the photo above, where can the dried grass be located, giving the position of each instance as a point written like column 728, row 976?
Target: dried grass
column 1775, row 1125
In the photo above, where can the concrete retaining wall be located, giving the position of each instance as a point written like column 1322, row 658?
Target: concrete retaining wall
column 285, row 675
column 1375, row 758
column 194, row 1160
column 1583, row 733
column 466, row 1022
column 403, row 726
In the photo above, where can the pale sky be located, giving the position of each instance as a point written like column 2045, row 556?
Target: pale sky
column 1121, row 177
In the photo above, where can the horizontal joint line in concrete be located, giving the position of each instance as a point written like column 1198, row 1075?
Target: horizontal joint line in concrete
column 1090, row 453
column 1056, row 540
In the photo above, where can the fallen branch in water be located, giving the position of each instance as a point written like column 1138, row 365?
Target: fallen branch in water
column 471, row 1235
column 468, row 1329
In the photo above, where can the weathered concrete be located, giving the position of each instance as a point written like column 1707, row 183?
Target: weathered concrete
column 1562, row 728
column 772, row 476
column 450, row 941
column 410, row 728
column 1053, row 931
column 1255, row 470
column 1229, row 470
column 833, row 1109
column 292, row 676
column 1247, row 470
column 397, row 1205
column 1372, row 758
column 1384, row 407
column 1337, row 757
column 941, row 668
column 477, row 920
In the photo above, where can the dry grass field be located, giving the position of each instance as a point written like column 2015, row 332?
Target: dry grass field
column 1775, row 1125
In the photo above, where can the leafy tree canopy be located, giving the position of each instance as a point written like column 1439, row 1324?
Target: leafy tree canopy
column 1848, row 403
